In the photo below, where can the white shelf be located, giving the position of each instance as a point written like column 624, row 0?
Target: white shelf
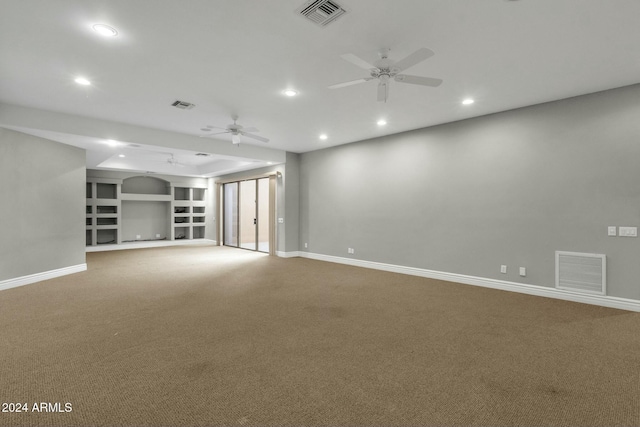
column 106, row 227
column 145, row 197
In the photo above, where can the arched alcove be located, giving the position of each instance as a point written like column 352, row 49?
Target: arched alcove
column 145, row 185
column 146, row 219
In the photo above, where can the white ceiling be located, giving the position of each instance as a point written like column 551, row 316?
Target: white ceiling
column 237, row 56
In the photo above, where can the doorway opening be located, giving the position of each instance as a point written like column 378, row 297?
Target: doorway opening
column 248, row 211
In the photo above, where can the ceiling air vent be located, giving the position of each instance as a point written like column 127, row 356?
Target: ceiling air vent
column 183, row 105
column 203, row 154
column 321, row 12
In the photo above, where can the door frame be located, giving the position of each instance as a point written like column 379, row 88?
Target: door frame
column 272, row 208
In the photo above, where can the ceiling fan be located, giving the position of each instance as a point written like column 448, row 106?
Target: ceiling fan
column 236, row 131
column 173, row 162
column 384, row 70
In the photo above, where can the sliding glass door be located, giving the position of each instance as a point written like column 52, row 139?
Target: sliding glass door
column 248, row 217
column 231, row 214
column 247, row 214
column 263, row 215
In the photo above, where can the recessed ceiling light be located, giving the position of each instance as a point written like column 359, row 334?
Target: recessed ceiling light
column 382, row 122
column 468, row 101
column 105, row 30
column 290, row 92
column 269, row 163
column 82, row 81
column 323, row 136
column 121, row 155
column 112, row 143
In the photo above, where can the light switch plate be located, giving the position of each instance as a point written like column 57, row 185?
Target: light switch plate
column 628, row 231
column 612, row 230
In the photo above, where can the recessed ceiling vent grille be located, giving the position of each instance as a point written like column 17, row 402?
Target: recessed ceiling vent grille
column 202, row 154
column 321, row 12
column 183, row 105
column 580, row 272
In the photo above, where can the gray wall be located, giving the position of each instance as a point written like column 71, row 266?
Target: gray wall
column 146, row 219
column 465, row 197
column 292, row 202
column 42, row 213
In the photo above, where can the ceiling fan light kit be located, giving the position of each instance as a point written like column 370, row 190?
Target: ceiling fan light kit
column 384, row 70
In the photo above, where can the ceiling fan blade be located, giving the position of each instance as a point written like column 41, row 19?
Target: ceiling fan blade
column 212, row 134
column 383, row 91
column 250, row 135
column 413, row 59
column 215, row 127
column 417, row 80
column 250, row 129
column 356, row 60
column 350, row 83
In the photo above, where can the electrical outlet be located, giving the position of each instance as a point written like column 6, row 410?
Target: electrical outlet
column 503, row 269
column 523, row 271
column 280, row 220
column 611, row 230
column 306, row 245
column 351, row 251
column 157, row 236
column 137, row 237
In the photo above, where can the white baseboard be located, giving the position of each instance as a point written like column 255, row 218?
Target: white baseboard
column 38, row 277
column 601, row 300
column 149, row 244
column 291, row 254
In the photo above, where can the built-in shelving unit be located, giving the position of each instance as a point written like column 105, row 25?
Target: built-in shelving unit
column 188, row 213
column 103, row 212
column 143, row 208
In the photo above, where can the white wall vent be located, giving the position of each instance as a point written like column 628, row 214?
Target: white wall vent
column 321, row 12
column 586, row 273
column 183, row 105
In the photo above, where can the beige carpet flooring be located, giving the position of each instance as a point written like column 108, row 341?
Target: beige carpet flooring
column 202, row 335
